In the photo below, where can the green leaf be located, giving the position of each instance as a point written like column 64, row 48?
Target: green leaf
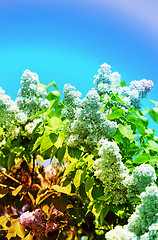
column 11, row 162
column 17, row 150
column 140, row 127
column 3, row 162
column 48, row 141
column 118, row 210
column 123, row 84
column 116, row 114
column 97, row 206
column 74, row 152
column 127, row 131
column 142, row 158
column 55, row 123
column 154, row 114
column 97, row 192
column 104, row 198
column 153, row 145
column 54, row 95
column 38, row 114
column 149, row 131
column 37, row 143
column 58, row 109
column 79, row 177
column 89, row 159
column 61, row 153
column 40, row 85
column 17, row 190
column 52, row 84
column 1, row 131
column 128, row 164
column 89, row 184
column 138, row 124
column 104, row 212
column 156, row 103
column 117, row 137
column 145, row 122
column 70, row 167
column 145, row 111
column 153, row 160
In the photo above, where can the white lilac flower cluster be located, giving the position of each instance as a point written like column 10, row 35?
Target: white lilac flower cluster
column 107, row 83
column 14, row 116
column 86, row 124
column 143, row 223
column 7, row 107
column 143, row 87
column 8, row 111
column 120, row 233
column 111, row 171
column 146, row 213
column 72, row 99
column 38, row 223
column 31, row 100
column 130, row 97
column 142, row 176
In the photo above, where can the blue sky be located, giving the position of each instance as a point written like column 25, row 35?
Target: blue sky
column 66, row 41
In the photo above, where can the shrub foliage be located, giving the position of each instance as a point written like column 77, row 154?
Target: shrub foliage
column 100, row 180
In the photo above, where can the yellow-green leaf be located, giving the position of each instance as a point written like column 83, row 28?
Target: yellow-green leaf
column 66, row 190
column 11, row 233
column 28, row 237
column 32, row 198
column 2, row 195
column 1, row 131
column 118, row 113
column 89, row 187
column 45, row 209
column 40, row 198
column 142, row 158
column 127, row 131
column 2, row 219
column 97, row 207
column 70, row 167
column 41, row 158
column 17, row 190
column 54, row 123
column 79, row 177
column 18, row 228
column 60, row 140
column 48, row 142
column 37, row 143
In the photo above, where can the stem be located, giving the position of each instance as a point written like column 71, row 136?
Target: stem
column 12, row 178
column 6, row 186
column 33, row 168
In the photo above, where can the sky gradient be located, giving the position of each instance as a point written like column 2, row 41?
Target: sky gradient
column 67, row 41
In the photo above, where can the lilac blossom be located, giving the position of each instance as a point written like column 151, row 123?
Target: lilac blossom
column 143, row 87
